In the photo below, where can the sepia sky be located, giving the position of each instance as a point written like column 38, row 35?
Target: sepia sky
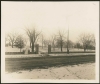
column 51, row 17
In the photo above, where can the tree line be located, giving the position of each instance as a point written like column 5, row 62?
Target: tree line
column 59, row 40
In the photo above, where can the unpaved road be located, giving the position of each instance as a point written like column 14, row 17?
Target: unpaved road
column 80, row 71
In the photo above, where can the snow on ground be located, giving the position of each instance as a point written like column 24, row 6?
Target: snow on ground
column 14, row 49
column 41, row 55
column 45, row 49
column 81, row 71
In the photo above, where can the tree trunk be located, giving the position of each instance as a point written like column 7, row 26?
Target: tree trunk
column 30, row 44
column 84, row 49
column 42, row 45
column 61, row 48
column 32, row 47
column 53, row 47
column 12, row 44
column 67, row 49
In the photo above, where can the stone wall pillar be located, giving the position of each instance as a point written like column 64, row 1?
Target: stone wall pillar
column 49, row 49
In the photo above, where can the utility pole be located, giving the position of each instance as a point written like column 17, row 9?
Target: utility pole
column 42, row 41
column 68, row 38
column 68, row 41
column 68, row 34
column 20, row 44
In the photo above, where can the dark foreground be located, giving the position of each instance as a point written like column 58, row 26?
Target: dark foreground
column 16, row 64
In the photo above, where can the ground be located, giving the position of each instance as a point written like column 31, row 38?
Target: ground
column 45, row 49
column 56, row 66
column 80, row 71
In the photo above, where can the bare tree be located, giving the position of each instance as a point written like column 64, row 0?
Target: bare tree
column 20, row 42
column 69, row 43
column 60, row 39
column 78, row 45
column 42, row 40
column 6, row 39
column 86, row 40
column 33, row 36
column 46, row 42
column 12, row 37
column 93, row 40
column 53, row 41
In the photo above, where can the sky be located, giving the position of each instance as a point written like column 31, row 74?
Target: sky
column 50, row 17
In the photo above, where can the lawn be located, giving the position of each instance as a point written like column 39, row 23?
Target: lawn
column 16, row 64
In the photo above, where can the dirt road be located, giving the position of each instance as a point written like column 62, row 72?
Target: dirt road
column 80, row 71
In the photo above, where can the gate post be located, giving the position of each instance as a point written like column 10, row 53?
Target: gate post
column 37, row 48
column 26, row 51
column 49, row 49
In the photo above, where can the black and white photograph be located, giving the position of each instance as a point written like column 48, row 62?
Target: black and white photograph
column 49, row 41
